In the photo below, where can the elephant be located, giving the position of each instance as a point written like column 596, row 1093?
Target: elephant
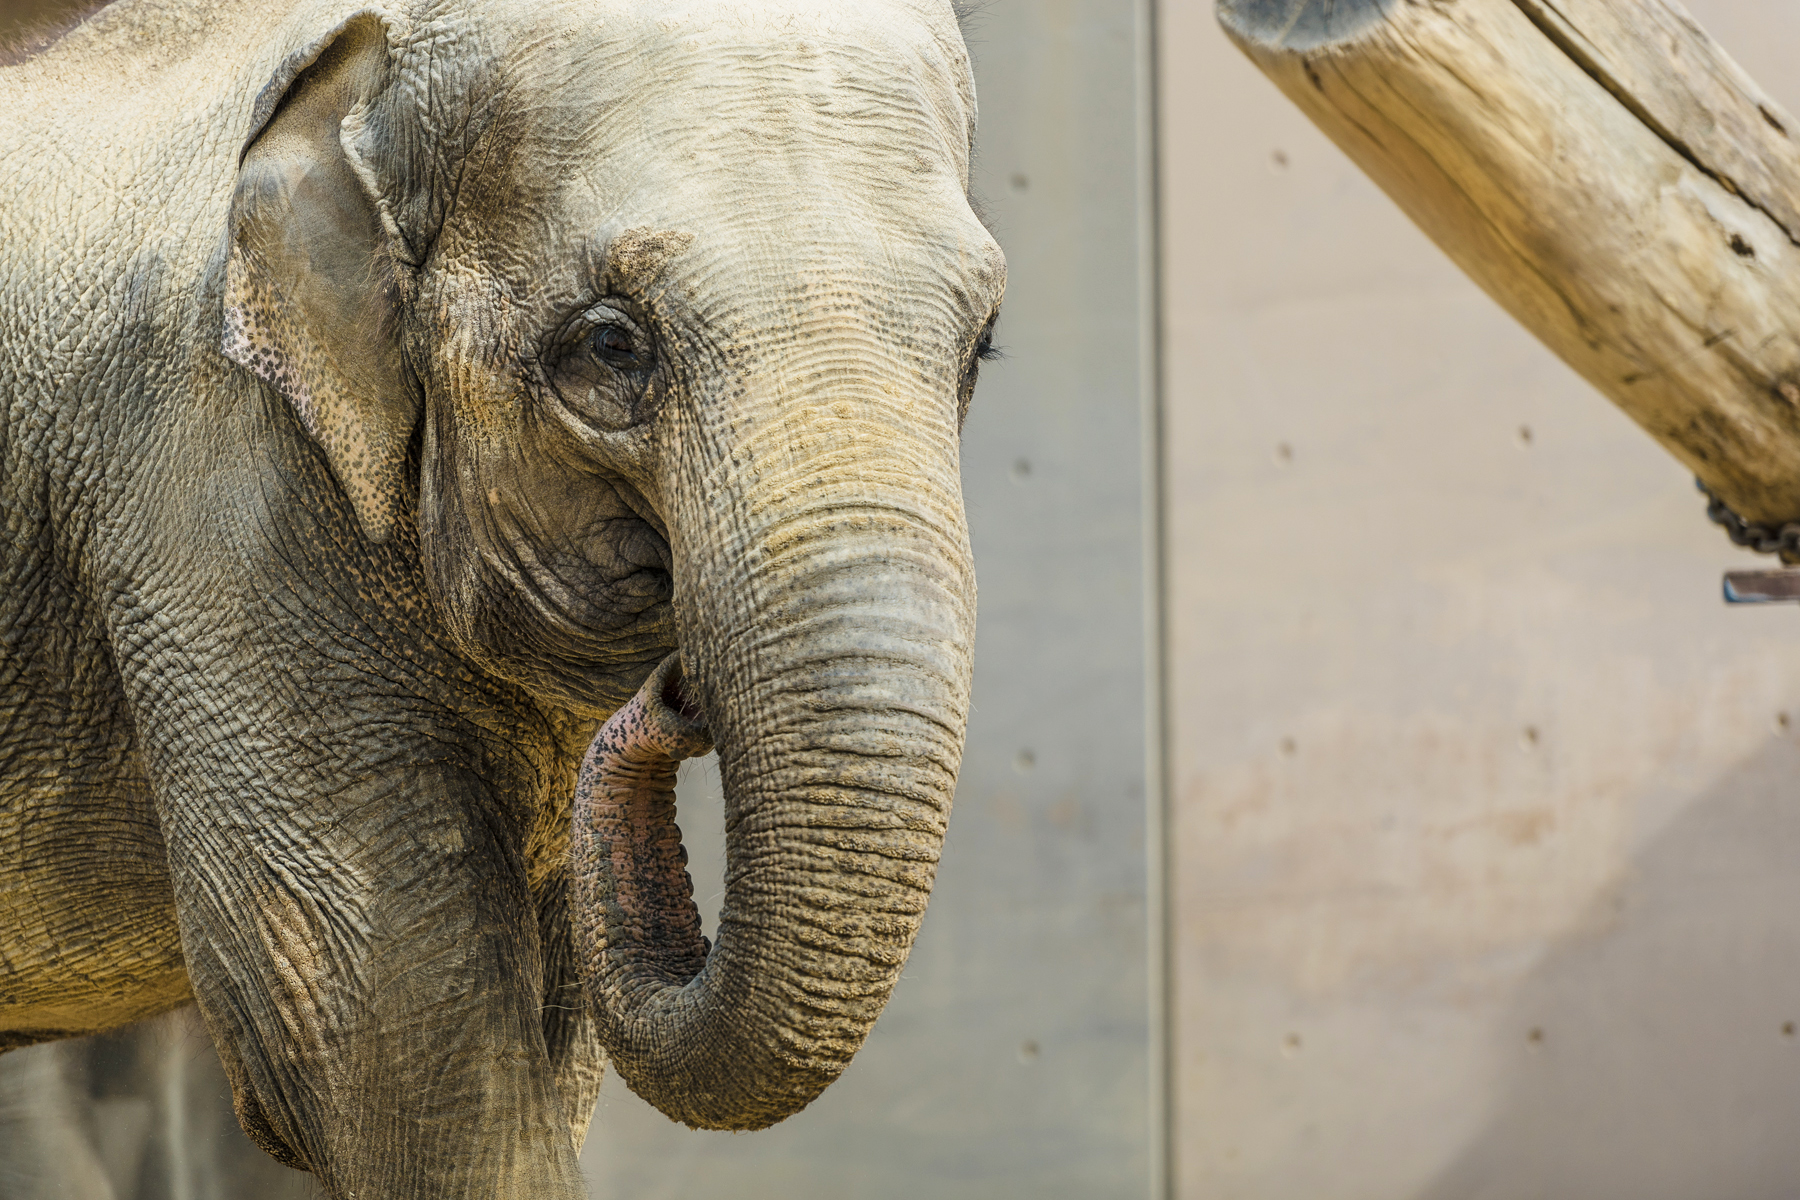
column 406, row 401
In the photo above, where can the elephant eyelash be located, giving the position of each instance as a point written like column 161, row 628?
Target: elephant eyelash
column 985, row 350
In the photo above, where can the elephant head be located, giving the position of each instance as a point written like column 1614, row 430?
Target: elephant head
column 658, row 322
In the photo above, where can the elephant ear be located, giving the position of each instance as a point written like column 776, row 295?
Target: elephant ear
column 311, row 283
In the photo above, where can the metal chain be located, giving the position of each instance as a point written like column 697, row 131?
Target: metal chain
column 1764, row 539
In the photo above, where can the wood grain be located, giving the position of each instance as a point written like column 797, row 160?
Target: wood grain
column 1604, row 171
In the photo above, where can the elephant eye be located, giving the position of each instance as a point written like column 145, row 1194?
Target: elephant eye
column 617, row 347
column 603, row 370
column 985, row 351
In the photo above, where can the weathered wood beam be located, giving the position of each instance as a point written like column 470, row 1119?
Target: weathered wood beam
column 1604, row 171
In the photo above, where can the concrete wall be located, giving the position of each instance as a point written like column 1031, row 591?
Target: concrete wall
column 1486, row 810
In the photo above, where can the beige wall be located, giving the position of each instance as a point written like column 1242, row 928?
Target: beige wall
column 1486, row 822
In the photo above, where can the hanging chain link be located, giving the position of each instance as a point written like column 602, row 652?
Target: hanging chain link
column 1764, row 539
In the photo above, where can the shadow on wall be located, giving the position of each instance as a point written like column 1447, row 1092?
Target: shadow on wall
column 1657, row 1056
column 143, row 1113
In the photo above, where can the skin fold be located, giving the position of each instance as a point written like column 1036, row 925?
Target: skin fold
column 385, row 393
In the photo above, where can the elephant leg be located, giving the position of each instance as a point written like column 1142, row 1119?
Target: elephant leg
column 48, row 1148
column 367, row 959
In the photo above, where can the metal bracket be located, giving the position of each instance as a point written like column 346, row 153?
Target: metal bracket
column 1776, row 586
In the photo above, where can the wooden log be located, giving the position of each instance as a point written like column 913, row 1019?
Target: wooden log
column 1604, row 171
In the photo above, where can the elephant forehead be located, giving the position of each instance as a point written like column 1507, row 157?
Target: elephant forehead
column 883, row 85
column 755, row 130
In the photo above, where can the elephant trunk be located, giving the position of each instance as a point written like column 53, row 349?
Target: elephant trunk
column 838, row 696
column 631, row 886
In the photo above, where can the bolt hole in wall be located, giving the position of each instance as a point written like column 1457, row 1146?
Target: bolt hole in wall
column 1517, row 972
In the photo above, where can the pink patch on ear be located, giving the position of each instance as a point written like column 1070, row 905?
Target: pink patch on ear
column 247, row 344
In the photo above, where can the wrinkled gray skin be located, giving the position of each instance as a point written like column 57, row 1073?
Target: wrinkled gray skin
column 385, row 396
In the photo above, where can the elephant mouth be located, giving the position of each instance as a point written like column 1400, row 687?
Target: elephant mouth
column 635, row 864
column 673, row 693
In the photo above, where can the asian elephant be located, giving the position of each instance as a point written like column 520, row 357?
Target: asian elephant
column 391, row 393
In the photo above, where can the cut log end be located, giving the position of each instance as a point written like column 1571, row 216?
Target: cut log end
column 1604, row 171
column 1300, row 25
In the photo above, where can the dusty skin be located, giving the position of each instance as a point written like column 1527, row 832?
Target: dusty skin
column 388, row 391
